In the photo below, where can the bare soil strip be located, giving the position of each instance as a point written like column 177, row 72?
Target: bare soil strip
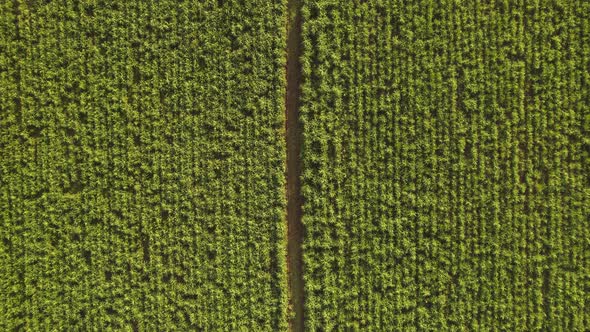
column 294, row 141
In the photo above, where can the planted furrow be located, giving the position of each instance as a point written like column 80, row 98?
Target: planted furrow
column 463, row 181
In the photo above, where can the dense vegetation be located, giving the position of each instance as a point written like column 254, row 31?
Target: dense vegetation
column 446, row 165
column 446, row 177
column 142, row 165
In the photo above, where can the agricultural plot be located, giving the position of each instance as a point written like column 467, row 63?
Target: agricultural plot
column 142, row 161
column 446, row 177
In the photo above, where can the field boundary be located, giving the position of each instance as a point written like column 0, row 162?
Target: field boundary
column 294, row 138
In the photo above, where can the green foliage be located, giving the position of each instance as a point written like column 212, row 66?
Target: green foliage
column 141, row 165
column 446, row 165
column 446, row 178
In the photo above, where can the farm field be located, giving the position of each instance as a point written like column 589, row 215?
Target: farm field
column 290, row 165
column 142, row 161
column 446, row 169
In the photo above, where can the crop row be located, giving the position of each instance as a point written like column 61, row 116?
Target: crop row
column 446, row 179
column 141, row 165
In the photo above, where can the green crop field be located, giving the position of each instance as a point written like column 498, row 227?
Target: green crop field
column 446, row 178
column 289, row 165
column 142, row 165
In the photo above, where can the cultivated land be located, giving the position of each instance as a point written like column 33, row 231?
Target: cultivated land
column 446, row 170
column 142, row 161
column 435, row 157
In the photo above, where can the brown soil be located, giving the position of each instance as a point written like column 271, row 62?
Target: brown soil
column 294, row 141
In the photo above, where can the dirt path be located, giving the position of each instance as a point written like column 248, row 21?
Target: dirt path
column 294, row 141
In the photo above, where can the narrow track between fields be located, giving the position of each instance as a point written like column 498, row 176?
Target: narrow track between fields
column 294, row 141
